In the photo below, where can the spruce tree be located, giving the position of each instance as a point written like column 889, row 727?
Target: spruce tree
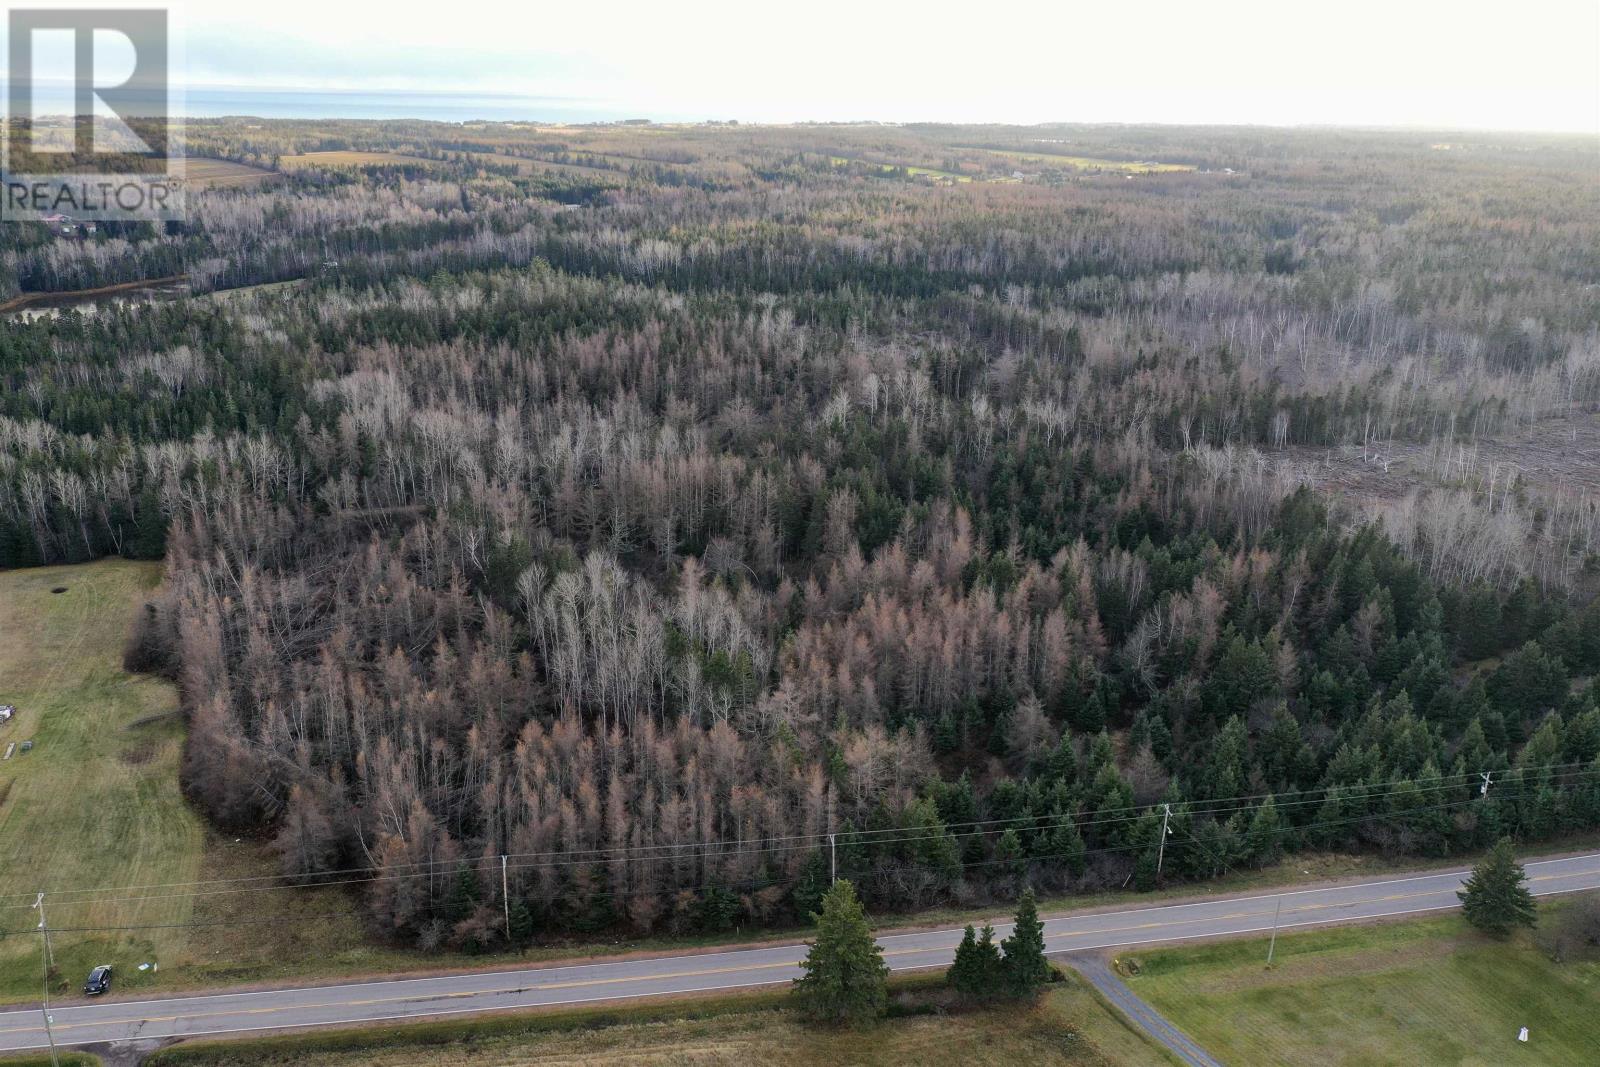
column 846, row 980
column 977, row 971
column 1495, row 898
column 522, row 924
column 1025, row 968
column 1008, row 851
column 463, row 896
column 1265, row 839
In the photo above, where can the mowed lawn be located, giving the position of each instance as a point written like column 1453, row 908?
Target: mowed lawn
column 1430, row 991
column 96, row 803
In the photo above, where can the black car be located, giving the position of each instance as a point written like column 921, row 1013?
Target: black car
column 99, row 981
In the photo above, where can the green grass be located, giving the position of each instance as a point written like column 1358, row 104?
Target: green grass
column 97, row 801
column 1068, row 1027
column 1052, row 159
column 1427, row 991
column 65, row 1059
column 889, row 168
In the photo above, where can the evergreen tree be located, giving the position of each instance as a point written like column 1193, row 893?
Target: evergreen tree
column 1495, row 898
column 846, row 980
column 1091, row 714
column 977, row 972
column 1144, row 871
column 1026, row 970
column 1064, row 843
column 813, row 884
column 522, row 925
column 1265, row 839
column 1008, row 851
column 1063, row 762
column 463, row 896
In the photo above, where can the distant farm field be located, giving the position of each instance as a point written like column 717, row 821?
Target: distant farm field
column 1428, row 991
column 525, row 165
column 889, row 168
column 349, row 159
column 222, row 173
column 1052, row 159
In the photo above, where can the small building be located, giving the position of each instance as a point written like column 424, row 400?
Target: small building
column 67, row 226
column 6, row 712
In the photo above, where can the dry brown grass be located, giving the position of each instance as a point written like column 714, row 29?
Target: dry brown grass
column 1069, row 1027
column 349, row 159
column 222, row 173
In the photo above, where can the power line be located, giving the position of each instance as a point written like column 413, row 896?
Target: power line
column 876, row 871
column 907, row 837
column 718, row 850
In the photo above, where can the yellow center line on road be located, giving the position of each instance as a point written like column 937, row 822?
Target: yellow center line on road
column 1239, row 915
column 1289, row 911
column 458, row 995
column 622, row 979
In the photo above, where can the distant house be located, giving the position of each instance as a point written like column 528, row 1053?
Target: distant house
column 67, row 226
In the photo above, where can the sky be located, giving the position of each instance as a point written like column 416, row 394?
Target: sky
column 1512, row 64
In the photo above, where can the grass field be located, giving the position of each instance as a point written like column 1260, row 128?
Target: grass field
column 1069, row 1027
column 348, row 159
column 1429, row 991
column 1051, row 159
column 221, row 173
column 526, row 166
column 889, row 168
column 96, row 802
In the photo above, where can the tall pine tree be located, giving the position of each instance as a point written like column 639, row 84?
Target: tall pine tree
column 978, row 972
column 1495, row 898
column 846, row 980
column 1026, row 970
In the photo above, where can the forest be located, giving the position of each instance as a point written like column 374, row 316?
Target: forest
column 672, row 516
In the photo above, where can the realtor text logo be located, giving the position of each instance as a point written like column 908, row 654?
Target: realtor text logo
column 88, row 132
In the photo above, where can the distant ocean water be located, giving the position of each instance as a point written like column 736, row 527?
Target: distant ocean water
column 435, row 107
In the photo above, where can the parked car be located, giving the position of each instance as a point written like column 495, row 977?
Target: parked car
column 99, row 981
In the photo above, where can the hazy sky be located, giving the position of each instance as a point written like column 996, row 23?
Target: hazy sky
column 1524, row 64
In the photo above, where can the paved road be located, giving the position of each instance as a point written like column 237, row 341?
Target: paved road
column 1142, row 1015
column 82, row 1022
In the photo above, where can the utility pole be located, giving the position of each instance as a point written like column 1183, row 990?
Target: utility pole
column 49, row 957
column 49, row 965
column 1273, row 944
column 505, row 896
column 1161, row 849
column 833, row 845
column 1483, row 790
